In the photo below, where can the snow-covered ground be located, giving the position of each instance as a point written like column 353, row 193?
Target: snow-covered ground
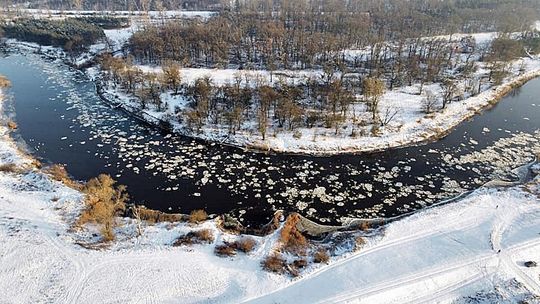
column 472, row 247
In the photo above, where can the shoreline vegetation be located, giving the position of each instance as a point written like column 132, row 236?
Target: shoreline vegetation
column 489, row 98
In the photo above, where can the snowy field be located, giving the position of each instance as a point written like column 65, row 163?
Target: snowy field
column 471, row 248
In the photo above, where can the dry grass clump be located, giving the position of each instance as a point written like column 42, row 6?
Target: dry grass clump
column 103, row 202
column 59, row 173
column 195, row 237
column 197, row 216
column 155, row 216
column 225, row 250
column 291, row 238
column 359, row 242
column 245, row 245
column 36, row 163
column 9, row 168
column 321, row 256
column 4, row 82
column 364, row 226
column 274, row 263
column 295, row 267
column 12, row 125
column 300, row 263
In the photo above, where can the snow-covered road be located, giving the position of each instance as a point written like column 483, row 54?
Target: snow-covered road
column 431, row 257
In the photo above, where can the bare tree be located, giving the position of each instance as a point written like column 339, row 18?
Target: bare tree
column 373, row 90
column 449, row 90
column 429, row 102
column 136, row 211
column 171, row 76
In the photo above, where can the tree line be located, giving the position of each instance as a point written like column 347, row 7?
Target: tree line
column 307, row 34
column 70, row 33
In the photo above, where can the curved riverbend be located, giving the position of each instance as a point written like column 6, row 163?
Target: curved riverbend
column 63, row 120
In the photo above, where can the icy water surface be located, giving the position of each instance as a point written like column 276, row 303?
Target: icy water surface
column 62, row 120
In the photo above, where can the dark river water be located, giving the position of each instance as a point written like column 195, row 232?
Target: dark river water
column 62, row 120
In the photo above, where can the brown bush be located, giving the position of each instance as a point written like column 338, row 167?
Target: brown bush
column 59, row 173
column 359, row 242
column 4, row 82
column 155, row 216
column 103, row 202
column 36, row 163
column 12, row 125
column 274, row 263
column 364, row 226
column 245, row 244
column 195, row 237
column 301, row 263
column 321, row 256
column 225, row 250
column 205, row 235
column 9, row 167
column 197, row 216
column 291, row 238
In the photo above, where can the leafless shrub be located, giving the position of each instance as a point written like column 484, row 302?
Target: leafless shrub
column 197, row 216
column 429, row 102
column 300, row 263
column 154, row 216
column 274, row 263
column 9, row 168
column 292, row 240
column 364, row 226
column 195, row 237
column 103, row 202
column 321, row 256
column 388, row 115
column 245, row 244
column 359, row 242
column 225, row 250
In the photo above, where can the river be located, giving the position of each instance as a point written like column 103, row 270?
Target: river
column 62, row 120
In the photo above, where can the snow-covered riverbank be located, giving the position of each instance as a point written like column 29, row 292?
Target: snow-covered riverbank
column 410, row 124
column 442, row 254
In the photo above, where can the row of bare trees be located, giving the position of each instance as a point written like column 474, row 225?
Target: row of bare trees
column 318, row 102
